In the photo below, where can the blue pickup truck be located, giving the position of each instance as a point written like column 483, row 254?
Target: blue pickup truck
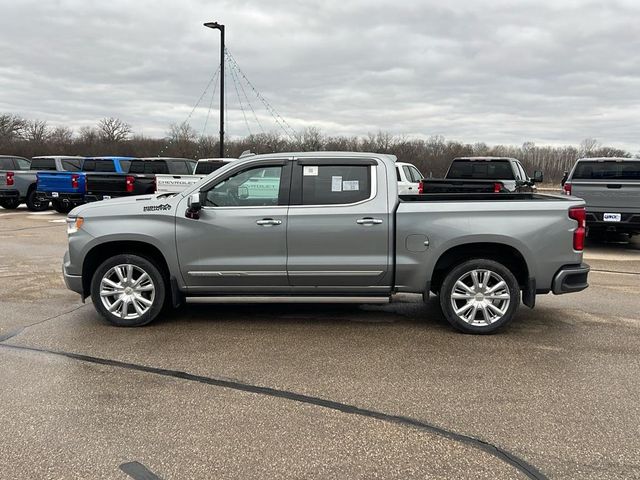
column 66, row 190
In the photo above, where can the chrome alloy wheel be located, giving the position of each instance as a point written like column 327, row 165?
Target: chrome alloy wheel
column 127, row 291
column 480, row 297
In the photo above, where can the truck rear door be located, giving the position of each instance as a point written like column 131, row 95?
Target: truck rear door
column 338, row 225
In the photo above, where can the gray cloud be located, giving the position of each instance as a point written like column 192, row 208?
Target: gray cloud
column 494, row 71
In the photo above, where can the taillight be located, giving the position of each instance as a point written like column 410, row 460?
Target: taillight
column 74, row 180
column 420, row 186
column 566, row 188
column 10, row 178
column 579, row 214
column 497, row 187
column 129, row 182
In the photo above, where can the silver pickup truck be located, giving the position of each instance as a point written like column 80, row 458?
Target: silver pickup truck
column 321, row 224
column 611, row 189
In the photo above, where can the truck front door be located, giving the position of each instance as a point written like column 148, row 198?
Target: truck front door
column 338, row 226
column 239, row 241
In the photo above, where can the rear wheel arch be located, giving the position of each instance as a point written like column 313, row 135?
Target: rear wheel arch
column 502, row 253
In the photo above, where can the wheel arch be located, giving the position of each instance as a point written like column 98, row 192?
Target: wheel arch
column 99, row 253
column 505, row 254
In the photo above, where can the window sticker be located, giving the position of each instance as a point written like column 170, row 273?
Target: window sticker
column 336, row 183
column 350, row 185
column 310, row 171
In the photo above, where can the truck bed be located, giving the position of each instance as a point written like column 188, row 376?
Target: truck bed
column 483, row 197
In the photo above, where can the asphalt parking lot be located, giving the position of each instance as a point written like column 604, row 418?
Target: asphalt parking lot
column 314, row 391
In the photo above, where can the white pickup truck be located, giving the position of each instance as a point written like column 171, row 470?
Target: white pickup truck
column 176, row 183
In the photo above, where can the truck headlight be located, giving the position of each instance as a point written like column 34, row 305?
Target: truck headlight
column 74, row 224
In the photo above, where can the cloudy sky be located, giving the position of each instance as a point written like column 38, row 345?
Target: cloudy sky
column 498, row 71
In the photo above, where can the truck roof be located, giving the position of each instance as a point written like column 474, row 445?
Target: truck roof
column 59, row 156
column 324, row 154
column 484, row 159
column 608, row 159
column 150, row 159
column 107, row 157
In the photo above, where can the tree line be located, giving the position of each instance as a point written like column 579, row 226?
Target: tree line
column 112, row 136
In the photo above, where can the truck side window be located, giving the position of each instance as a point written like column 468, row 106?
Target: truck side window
column 43, row 164
column 23, row 164
column 336, row 184
column 71, row 164
column 398, row 174
column 254, row 187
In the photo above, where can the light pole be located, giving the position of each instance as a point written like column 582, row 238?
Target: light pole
column 217, row 26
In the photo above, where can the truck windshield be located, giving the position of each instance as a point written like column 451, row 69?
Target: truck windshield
column 607, row 170
column 481, row 170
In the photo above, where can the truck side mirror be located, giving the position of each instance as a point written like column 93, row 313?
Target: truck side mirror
column 194, row 205
column 538, row 177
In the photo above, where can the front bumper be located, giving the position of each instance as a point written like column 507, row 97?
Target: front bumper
column 70, row 198
column 571, row 278
column 10, row 194
column 73, row 282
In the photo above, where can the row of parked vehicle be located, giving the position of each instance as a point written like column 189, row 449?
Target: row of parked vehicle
column 66, row 182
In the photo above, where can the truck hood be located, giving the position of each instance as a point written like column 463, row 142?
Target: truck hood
column 128, row 205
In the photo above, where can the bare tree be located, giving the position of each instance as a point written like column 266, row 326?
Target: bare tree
column 11, row 127
column 587, row 147
column 88, row 135
column 36, row 131
column 113, row 130
column 181, row 132
column 61, row 136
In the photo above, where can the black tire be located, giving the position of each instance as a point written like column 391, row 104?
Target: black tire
column 156, row 300
column 10, row 203
column 60, row 207
column 478, row 311
column 34, row 204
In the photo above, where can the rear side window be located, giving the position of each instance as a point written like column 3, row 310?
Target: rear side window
column 71, row 164
column 607, row 170
column 481, row 170
column 335, row 184
column 416, row 174
column 205, row 168
column 99, row 166
column 43, row 164
column 23, row 164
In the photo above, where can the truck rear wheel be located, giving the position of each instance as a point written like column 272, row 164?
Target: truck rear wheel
column 34, row 204
column 479, row 296
column 128, row 290
column 10, row 203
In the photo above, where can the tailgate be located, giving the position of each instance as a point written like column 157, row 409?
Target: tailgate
column 618, row 196
column 175, row 183
column 106, row 184
column 59, row 182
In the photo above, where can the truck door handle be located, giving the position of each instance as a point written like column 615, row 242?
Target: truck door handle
column 369, row 221
column 266, row 222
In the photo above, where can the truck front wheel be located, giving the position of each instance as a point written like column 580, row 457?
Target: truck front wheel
column 479, row 296
column 128, row 290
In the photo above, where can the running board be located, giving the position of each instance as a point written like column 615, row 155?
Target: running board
column 283, row 299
